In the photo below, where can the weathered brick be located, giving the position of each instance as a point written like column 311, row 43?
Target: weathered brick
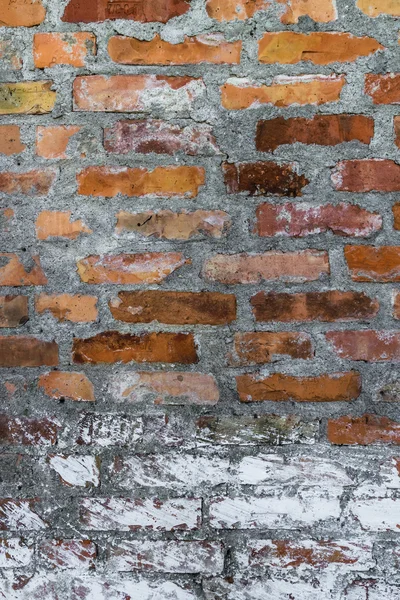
column 321, row 11
column 113, row 347
column 396, row 216
column 396, row 304
column 367, row 175
column 14, row 273
column 51, row 49
column 151, row 267
column 265, row 429
column 106, row 430
column 167, row 557
column 374, row 9
column 366, row 345
column 10, row 56
column 124, row 514
column 248, row 588
column 181, row 308
column 373, row 263
column 208, row 48
column 169, row 225
column 365, row 430
column 52, row 142
column 302, row 219
column 293, row 267
column 161, row 137
column 85, row 588
column 320, row 48
column 10, row 140
column 322, row 130
column 27, row 97
column 68, row 554
column 20, row 515
column 335, row 387
column 396, row 127
column 15, row 553
column 13, row 311
column 165, row 388
column 383, row 89
column 22, row 13
column 73, row 386
column 265, row 346
column 277, row 508
column 328, row 306
column 68, row 307
column 55, row 224
column 287, row 554
column 32, row 183
column 230, row 10
column 23, row 431
column 262, row 178
column 22, row 351
column 136, row 93
column 76, row 471
column 166, row 182
column 144, row 11
column 238, row 94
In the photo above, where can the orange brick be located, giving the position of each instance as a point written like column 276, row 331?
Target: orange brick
column 396, row 305
column 67, row 307
column 372, row 8
column 321, row 11
column 32, row 183
column 10, row 140
column 238, row 94
column 230, row 10
column 165, row 182
column 320, row 48
column 13, row 311
column 338, row 387
column 113, row 347
column 15, row 273
column 365, row 430
column 151, row 267
column 53, row 224
column 396, row 125
column 51, row 49
column 73, row 386
column 266, row 346
column 383, row 89
column 396, row 215
column 22, row 13
column 371, row 263
column 52, row 142
column 209, row 48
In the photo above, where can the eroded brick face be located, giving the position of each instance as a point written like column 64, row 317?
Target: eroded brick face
column 199, row 299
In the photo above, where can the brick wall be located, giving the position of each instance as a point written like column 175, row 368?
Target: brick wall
column 199, row 301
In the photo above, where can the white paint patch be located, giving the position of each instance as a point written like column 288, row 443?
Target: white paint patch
column 76, row 470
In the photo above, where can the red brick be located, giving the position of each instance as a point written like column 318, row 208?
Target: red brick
column 293, row 267
column 150, row 267
column 328, row 306
column 366, row 345
column 73, row 386
column 32, row 183
column 373, row 263
column 22, row 431
column 55, row 224
column 15, row 553
column 52, row 142
column 13, row 311
column 166, row 182
column 208, row 48
column 279, row 387
column 14, row 273
column 365, row 430
column 113, row 347
column 396, row 127
column 265, row 346
column 26, row 13
column 320, row 48
column 68, row 554
column 20, row 515
column 367, row 175
column 238, row 94
column 161, row 137
column 51, row 49
column 10, row 140
column 20, row 351
column 322, row 130
column 144, row 11
column 169, row 225
column 302, row 218
column 396, row 216
column 181, row 308
column 383, row 89
column 68, row 307
column 135, row 93
column 396, row 305
column 261, row 178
